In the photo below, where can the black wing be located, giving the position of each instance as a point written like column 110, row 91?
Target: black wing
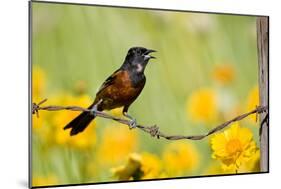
column 108, row 81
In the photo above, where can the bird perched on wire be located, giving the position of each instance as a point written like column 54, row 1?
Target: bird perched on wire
column 119, row 90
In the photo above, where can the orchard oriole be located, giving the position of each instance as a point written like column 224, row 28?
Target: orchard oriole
column 119, row 90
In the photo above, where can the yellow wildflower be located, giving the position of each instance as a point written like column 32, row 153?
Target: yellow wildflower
column 180, row 157
column 38, row 89
column 37, row 122
column 202, row 105
column 117, row 142
column 233, row 147
column 252, row 102
column 144, row 166
column 116, row 112
column 252, row 165
column 151, row 166
column 38, row 83
column 130, row 171
column 41, row 128
column 83, row 140
column 224, row 73
column 44, row 181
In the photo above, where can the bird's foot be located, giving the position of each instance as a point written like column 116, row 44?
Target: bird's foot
column 133, row 123
column 94, row 110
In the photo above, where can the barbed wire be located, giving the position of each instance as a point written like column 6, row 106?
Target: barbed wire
column 153, row 130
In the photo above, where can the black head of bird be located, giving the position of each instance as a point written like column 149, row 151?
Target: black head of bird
column 137, row 58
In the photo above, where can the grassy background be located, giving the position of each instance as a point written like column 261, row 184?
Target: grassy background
column 79, row 46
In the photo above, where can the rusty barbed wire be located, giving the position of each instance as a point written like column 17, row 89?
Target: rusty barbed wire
column 153, row 130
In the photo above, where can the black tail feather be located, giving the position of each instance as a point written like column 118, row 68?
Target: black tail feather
column 79, row 124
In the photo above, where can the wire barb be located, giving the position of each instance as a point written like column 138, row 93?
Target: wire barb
column 154, row 130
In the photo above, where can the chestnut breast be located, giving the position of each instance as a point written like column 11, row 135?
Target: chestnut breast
column 119, row 91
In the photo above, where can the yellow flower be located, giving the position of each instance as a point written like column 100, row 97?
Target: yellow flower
column 144, row 166
column 252, row 165
column 116, row 112
column 117, row 142
column 83, row 140
column 130, row 171
column 41, row 128
column 224, row 73
column 233, row 147
column 252, row 102
column 37, row 122
column 202, row 105
column 38, row 88
column 151, row 166
column 180, row 157
column 38, row 83
column 44, row 181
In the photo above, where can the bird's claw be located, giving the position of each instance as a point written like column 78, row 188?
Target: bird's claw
column 93, row 110
column 133, row 123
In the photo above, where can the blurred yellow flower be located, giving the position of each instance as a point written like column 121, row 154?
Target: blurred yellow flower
column 84, row 139
column 117, row 112
column 202, row 105
column 41, row 128
column 233, row 147
column 38, row 83
column 130, row 171
column 180, row 157
column 38, row 88
column 224, row 73
column 117, row 142
column 37, row 122
column 151, row 166
column 252, row 102
column 139, row 166
column 44, row 181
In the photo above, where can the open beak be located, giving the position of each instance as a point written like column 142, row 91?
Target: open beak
column 146, row 54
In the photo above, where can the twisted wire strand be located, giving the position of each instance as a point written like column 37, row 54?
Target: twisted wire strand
column 153, row 130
